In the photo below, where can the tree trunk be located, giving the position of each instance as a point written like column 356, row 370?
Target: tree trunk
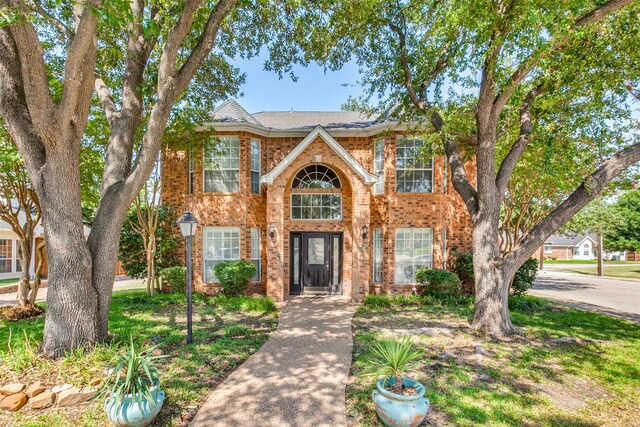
column 24, row 257
column 72, row 310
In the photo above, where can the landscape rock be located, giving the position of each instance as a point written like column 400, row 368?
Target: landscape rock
column 257, row 295
column 13, row 402
column 157, row 352
column 42, row 400
column 446, row 355
column 12, row 388
column 95, row 382
column 35, row 389
column 69, row 397
column 60, row 388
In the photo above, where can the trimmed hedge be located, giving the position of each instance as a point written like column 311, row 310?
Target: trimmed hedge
column 439, row 284
column 176, row 278
column 235, row 276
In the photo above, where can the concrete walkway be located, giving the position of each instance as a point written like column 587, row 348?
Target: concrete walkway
column 298, row 377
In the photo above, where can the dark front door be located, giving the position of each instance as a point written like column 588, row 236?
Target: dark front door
column 316, row 263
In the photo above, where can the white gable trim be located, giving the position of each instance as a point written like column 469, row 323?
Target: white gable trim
column 364, row 174
column 586, row 238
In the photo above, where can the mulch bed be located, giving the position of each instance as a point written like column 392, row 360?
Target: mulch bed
column 15, row 313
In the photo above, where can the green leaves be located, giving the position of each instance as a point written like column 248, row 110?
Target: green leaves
column 392, row 357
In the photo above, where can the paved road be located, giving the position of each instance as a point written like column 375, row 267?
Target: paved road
column 10, row 299
column 299, row 376
column 613, row 296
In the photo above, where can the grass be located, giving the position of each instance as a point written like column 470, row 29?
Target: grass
column 587, row 261
column 226, row 332
column 527, row 380
column 8, row 282
column 629, row 272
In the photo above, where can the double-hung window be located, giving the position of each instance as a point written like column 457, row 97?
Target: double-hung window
column 222, row 166
column 548, row 249
column 414, row 166
column 378, row 165
column 377, row 255
column 255, row 166
column 256, row 259
column 6, row 255
column 220, row 244
column 414, row 250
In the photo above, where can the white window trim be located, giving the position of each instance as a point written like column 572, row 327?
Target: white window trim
column 259, row 258
column 414, row 169
column 550, row 249
column 204, row 258
column 373, row 255
column 14, row 256
column 239, row 168
column 251, row 170
column 380, row 174
column 313, row 219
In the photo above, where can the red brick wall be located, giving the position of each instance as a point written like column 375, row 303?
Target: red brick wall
column 439, row 210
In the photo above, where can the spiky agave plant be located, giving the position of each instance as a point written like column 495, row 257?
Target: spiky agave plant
column 392, row 358
column 134, row 373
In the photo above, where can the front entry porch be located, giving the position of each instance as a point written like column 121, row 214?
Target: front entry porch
column 316, row 263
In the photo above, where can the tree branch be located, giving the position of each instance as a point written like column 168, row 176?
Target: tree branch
column 519, row 146
column 36, row 7
column 532, row 60
column 586, row 192
column 106, row 100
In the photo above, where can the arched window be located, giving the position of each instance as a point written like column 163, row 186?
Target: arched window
column 316, row 205
column 316, row 176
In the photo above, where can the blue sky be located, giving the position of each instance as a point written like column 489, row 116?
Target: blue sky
column 313, row 91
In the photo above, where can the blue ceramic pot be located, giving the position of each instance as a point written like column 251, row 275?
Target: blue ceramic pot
column 134, row 414
column 396, row 410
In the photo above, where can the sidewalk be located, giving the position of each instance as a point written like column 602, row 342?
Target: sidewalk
column 298, row 378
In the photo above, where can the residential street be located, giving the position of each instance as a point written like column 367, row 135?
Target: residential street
column 616, row 297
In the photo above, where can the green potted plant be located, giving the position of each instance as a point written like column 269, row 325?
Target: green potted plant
column 399, row 401
column 132, row 388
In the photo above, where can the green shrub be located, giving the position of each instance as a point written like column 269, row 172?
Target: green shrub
column 527, row 304
column 235, row 276
column 440, row 284
column 176, row 277
column 461, row 263
column 525, row 277
column 389, row 301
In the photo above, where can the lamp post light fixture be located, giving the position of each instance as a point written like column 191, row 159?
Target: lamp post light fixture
column 272, row 230
column 365, row 232
column 188, row 224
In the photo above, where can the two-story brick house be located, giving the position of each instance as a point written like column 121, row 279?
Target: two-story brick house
column 321, row 202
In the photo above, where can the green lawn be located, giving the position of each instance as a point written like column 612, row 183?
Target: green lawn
column 527, row 380
column 630, row 272
column 7, row 282
column 588, row 261
column 226, row 332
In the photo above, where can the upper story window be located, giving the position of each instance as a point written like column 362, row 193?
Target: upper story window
column 414, row 167
column 222, row 166
column 378, row 165
column 255, row 166
column 316, row 176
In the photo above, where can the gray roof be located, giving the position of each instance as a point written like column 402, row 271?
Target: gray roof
column 232, row 112
column 567, row 240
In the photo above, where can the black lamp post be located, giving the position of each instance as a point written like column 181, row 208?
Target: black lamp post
column 188, row 224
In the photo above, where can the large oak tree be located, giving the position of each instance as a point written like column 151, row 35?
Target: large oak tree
column 485, row 75
column 139, row 57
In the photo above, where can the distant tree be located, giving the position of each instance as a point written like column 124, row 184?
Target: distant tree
column 624, row 233
column 133, row 254
column 20, row 208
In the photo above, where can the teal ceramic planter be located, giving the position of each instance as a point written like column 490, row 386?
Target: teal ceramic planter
column 134, row 414
column 396, row 410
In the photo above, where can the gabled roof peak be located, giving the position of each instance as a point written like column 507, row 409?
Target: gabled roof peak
column 232, row 111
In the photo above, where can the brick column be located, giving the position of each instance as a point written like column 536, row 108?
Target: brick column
column 275, row 244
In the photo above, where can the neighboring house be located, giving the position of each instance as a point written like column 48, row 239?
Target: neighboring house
column 321, row 202
column 10, row 267
column 580, row 246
